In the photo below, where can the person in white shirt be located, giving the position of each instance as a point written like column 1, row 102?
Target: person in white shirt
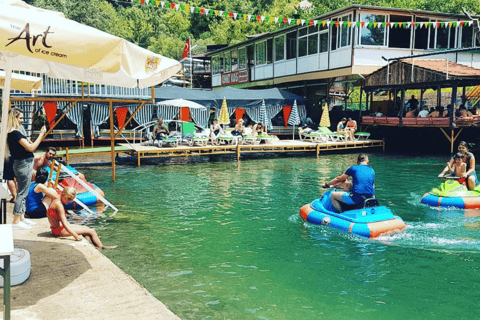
column 424, row 112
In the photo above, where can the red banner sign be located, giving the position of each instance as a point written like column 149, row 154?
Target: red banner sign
column 235, row 77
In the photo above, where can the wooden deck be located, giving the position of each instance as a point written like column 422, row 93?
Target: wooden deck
column 277, row 146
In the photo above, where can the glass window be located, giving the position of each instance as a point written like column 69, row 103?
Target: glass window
column 269, row 51
column 324, row 42
column 234, row 60
column 313, row 43
column 442, row 38
column 421, row 35
column 400, row 37
column 345, row 32
column 280, row 48
column 312, row 29
column 467, row 37
column 334, row 34
column 302, row 32
column 302, row 46
column 228, row 62
column 371, row 36
column 242, row 58
column 222, row 62
column 292, row 45
column 260, row 53
column 215, row 65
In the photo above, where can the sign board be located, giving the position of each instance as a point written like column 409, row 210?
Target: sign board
column 235, row 77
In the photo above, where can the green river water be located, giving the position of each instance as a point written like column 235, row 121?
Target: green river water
column 221, row 240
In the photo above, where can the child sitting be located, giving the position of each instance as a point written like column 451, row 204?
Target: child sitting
column 458, row 168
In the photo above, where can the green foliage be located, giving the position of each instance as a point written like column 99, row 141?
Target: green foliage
column 165, row 31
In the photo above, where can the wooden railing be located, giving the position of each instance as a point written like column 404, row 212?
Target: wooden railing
column 420, row 122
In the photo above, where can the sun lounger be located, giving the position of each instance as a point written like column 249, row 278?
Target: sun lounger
column 313, row 136
column 227, row 138
column 333, row 136
column 266, row 138
column 361, row 135
column 169, row 142
column 250, row 140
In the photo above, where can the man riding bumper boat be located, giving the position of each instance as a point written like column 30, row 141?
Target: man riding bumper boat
column 363, row 179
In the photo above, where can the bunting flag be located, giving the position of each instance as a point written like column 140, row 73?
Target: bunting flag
column 51, row 111
column 286, row 114
column 309, row 22
column 239, row 114
column 185, row 114
column 121, row 115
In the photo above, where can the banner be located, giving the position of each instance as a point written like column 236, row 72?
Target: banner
column 239, row 114
column 286, row 114
column 51, row 111
column 121, row 116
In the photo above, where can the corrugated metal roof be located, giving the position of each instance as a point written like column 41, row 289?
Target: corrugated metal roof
column 444, row 66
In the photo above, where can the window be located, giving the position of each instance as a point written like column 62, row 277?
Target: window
column 260, row 53
column 302, row 32
column 313, row 29
column 222, row 61
column 313, row 43
column 280, row 48
column 467, row 37
column 292, row 45
column 269, row 51
column 228, row 62
column 242, row 58
column 372, row 36
column 445, row 38
column 345, row 32
column 324, row 42
column 341, row 35
column 234, row 60
column 334, row 35
column 421, row 36
column 216, row 64
column 400, row 37
column 302, row 46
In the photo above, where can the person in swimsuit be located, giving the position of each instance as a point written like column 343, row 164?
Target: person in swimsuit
column 35, row 208
column 469, row 159
column 58, row 220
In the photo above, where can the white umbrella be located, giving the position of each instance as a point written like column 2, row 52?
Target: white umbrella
column 44, row 41
column 181, row 103
column 294, row 118
column 263, row 118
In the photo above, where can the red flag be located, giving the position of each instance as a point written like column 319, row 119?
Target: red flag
column 286, row 114
column 51, row 112
column 121, row 115
column 186, row 50
column 239, row 114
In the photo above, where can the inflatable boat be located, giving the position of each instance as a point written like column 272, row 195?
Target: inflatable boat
column 370, row 221
column 452, row 194
column 83, row 195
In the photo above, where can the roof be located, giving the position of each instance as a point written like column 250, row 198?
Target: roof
column 443, row 66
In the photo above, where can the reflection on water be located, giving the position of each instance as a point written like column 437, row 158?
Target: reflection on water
column 224, row 240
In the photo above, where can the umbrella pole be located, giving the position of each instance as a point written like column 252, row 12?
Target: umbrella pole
column 5, row 107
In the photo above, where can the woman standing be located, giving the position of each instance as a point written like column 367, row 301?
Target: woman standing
column 469, row 159
column 21, row 151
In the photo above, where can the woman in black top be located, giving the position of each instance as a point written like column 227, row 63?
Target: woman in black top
column 21, row 151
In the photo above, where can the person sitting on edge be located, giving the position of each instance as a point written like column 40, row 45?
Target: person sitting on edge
column 351, row 127
column 458, row 168
column 59, row 225
column 363, row 180
column 469, row 159
column 160, row 130
column 410, row 113
column 34, row 205
column 424, row 112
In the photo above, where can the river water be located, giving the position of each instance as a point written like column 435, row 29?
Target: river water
column 221, row 240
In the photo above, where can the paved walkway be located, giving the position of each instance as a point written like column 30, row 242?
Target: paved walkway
column 73, row 280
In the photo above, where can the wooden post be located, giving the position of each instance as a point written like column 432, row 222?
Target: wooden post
column 238, row 151
column 138, row 159
column 439, row 96
column 112, row 140
column 318, row 149
column 453, row 102
column 58, row 174
column 360, row 107
column 67, row 157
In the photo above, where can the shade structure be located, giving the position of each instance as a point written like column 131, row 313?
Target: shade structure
column 181, row 103
column 223, row 117
column 44, row 41
column 325, row 120
column 263, row 119
column 294, row 118
column 22, row 82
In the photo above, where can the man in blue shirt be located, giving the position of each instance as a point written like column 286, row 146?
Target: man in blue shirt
column 363, row 179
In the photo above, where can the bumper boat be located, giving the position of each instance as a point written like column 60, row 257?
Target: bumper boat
column 371, row 220
column 83, row 195
column 452, row 194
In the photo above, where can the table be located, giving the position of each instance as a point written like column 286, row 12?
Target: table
column 6, row 249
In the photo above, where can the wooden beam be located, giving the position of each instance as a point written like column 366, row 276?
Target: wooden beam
column 100, row 100
column 128, row 120
column 112, row 139
column 60, row 119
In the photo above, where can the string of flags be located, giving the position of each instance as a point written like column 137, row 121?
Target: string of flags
column 309, row 22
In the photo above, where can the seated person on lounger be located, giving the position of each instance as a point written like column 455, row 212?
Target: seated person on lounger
column 351, row 127
column 341, row 128
column 239, row 129
column 215, row 130
column 160, row 130
column 259, row 130
column 33, row 203
column 59, row 225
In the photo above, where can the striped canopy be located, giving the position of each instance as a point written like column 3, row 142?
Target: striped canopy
column 263, row 119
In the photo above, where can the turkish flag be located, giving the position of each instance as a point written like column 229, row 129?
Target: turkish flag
column 51, row 112
column 186, row 49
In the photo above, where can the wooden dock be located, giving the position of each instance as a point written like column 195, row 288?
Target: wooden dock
column 277, row 146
